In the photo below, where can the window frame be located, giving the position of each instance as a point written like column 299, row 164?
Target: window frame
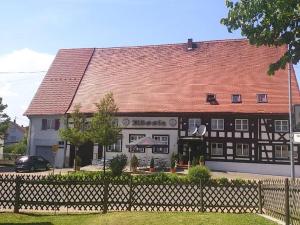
column 281, row 152
column 242, row 144
column 235, row 102
column 138, row 150
column 50, row 124
column 120, row 138
column 195, row 119
column 217, row 148
column 258, row 98
column 167, row 147
column 281, row 125
column 217, row 128
column 241, row 128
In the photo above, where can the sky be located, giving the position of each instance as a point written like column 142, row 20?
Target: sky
column 32, row 32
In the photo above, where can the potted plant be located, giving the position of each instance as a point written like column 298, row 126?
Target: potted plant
column 202, row 160
column 152, row 168
column 134, row 163
column 180, row 158
column 173, row 166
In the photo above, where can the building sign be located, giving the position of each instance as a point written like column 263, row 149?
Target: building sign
column 296, row 138
column 149, row 122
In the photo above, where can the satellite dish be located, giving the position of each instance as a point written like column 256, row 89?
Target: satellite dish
column 201, row 130
column 195, row 131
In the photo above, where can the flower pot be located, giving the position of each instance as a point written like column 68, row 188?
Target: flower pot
column 173, row 170
column 152, row 169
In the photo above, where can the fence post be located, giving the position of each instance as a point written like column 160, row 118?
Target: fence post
column 286, row 200
column 130, row 194
column 17, row 194
column 201, row 197
column 105, row 196
column 260, row 202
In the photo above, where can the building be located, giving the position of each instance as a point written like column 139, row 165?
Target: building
column 14, row 134
column 165, row 92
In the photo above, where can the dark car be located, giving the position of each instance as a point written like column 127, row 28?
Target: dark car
column 32, row 163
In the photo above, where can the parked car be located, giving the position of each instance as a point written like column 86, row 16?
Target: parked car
column 32, row 163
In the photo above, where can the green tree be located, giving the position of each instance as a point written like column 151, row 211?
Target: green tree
column 77, row 134
column 104, row 129
column 4, row 120
column 270, row 23
column 18, row 148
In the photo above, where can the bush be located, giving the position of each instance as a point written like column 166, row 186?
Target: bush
column 134, row 163
column 197, row 173
column 117, row 164
column 195, row 161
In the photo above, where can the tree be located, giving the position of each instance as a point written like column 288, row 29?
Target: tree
column 104, row 129
column 4, row 119
column 77, row 135
column 270, row 23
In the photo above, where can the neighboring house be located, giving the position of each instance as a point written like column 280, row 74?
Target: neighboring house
column 166, row 92
column 14, row 134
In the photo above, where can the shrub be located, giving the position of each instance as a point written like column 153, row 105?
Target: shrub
column 197, row 173
column 195, row 161
column 152, row 163
column 117, row 164
column 134, row 163
column 173, row 160
column 223, row 181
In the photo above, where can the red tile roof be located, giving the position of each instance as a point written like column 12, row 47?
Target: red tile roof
column 59, row 86
column 168, row 78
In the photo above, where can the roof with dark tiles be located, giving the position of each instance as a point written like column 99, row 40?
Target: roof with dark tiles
column 166, row 78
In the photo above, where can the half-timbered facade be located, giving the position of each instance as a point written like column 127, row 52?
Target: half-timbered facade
column 166, row 92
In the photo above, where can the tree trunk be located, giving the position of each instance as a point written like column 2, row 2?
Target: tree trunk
column 104, row 158
column 75, row 156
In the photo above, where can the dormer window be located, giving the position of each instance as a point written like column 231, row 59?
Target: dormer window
column 236, row 98
column 262, row 98
column 211, row 98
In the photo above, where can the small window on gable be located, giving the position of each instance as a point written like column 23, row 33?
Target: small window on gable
column 210, row 97
column 236, row 98
column 262, row 98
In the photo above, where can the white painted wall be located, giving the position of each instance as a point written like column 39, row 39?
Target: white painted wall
column 47, row 137
column 256, row 168
column 1, row 148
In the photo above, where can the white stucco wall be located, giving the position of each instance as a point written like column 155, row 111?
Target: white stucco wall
column 256, row 168
column 49, row 137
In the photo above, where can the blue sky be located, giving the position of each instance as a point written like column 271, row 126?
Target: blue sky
column 32, row 31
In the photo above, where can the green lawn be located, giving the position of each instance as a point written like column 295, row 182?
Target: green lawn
column 134, row 218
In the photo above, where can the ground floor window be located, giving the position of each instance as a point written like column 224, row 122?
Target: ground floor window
column 281, row 151
column 116, row 147
column 242, row 149
column 216, row 149
column 164, row 139
column 134, row 137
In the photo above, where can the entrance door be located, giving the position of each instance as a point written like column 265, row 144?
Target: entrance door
column 85, row 153
column 192, row 149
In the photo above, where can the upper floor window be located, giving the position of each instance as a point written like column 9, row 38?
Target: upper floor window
column 262, row 98
column 50, row 124
column 217, row 124
column 134, row 137
column 116, row 147
column 217, row 149
column 236, row 98
column 281, row 151
column 164, row 139
column 193, row 124
column 242, row 149
column 241, row 124
column 281, row 126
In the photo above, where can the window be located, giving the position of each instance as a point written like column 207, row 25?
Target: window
column 281, row 151
column 241, row 124
column 281, row 126
column 134, row 137
column 236, row 98
column 116, row 147
column 164, row 139
column 193, row 124
column 242, row 150
column 50, row 124
column 210, row 97
column 217, row 124
column 217, row 149
column 262, row 98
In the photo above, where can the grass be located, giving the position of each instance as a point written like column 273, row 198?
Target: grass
column 134, row 218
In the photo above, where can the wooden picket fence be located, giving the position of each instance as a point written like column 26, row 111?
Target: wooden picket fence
column 120, row 194
column 281, row 199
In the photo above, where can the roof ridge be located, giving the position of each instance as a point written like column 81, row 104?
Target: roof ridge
column 160, row 45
